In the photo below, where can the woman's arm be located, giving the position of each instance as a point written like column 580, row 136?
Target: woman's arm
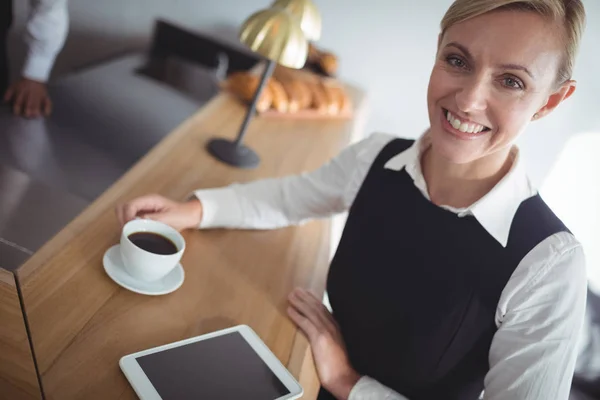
column 370, row 389
column 533, row 353
column 335, row 372
column 267, row 203
column 275, row 203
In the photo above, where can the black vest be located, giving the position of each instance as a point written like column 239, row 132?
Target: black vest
column 415, row 287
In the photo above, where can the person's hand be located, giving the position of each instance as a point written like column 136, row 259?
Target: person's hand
column 328, row 349
column 29, row 98
column 178, row 215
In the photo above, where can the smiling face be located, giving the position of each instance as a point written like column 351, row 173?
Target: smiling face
column 492, row 74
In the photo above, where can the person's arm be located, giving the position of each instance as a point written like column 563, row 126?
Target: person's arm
column 45, row 35
column 369, row 389
column 267, row 203
column 533, row 353
column 280, row 202
column 334, row 369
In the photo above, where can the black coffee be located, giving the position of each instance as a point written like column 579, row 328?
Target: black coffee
column 153, row 242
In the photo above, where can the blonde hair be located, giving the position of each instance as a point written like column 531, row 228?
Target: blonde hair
column 570, row 13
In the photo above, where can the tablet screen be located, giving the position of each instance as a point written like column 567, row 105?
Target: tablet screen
column 223, row 367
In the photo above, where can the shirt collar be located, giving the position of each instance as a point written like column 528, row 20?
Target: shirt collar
column 496, row 210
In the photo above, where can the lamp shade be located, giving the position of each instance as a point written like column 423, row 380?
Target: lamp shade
column 307, row 13
column 276, row 34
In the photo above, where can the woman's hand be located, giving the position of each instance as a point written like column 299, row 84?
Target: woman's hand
column 329, row 352
column 178, row 215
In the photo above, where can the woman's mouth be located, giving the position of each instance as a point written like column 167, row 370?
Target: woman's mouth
column 462, row 128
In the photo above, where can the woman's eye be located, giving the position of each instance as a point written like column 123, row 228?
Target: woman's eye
column 513, row 83
column 456, row 62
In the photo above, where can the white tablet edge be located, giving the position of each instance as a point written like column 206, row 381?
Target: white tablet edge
column 145, row 390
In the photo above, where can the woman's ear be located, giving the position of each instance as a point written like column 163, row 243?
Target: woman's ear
column 564, row 92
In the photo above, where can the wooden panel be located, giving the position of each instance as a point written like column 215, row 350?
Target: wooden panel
column 82, row 323
column 18, row 379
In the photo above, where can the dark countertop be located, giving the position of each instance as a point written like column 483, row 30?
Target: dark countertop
column 105, row 119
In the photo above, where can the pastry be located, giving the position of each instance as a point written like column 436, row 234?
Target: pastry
column 293, row 95
column 342, row 99
column 332, row 99
column 328, row 63
column 280, row 97
column 298, row 94
column 313, row 53
column 265, row 100
column 305, row 94
column 319, row 98
column 244, row 85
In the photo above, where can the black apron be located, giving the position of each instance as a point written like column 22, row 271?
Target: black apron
column 415, row 287
column 6, row 16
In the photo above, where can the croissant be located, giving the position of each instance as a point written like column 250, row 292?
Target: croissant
column 244, row 85
column 299, row 94
column 280, row 97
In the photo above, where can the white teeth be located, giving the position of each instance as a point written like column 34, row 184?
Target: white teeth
column 463, row 126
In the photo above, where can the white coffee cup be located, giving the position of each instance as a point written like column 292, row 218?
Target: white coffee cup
column 142, row 264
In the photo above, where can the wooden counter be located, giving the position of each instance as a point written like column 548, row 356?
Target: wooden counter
column 18, row 379
column 81, row 322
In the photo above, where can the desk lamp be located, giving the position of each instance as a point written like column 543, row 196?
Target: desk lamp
column 276, row 34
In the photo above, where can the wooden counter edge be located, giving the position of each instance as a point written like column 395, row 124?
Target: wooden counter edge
column 18, row 378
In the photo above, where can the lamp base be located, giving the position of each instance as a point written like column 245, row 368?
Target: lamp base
column 232, row 154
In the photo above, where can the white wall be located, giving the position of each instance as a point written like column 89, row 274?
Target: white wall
column 572, row 189
column 386, row 46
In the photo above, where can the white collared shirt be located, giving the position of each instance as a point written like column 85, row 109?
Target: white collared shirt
column 45, row 34
column 541, row 309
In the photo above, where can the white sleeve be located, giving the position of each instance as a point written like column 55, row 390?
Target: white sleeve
column 369, row 389
column 279, row 202
column 45, row 36
column 533, row 353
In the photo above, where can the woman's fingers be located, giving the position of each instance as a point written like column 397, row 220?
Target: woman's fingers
column 172, row 218
column 180, row 216
column 309, row 306
column 303, row 323
column 142, row 205
column 319, row 309
column 301, row 306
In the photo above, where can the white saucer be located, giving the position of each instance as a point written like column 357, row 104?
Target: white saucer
column 115, row 270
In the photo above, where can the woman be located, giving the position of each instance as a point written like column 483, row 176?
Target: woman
column 452, row 275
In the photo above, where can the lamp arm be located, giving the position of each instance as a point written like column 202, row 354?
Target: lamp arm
column 270, row 67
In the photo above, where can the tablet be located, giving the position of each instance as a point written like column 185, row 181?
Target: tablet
column 230, row 364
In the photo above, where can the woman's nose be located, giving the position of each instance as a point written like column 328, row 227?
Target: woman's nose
column 473, row 96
